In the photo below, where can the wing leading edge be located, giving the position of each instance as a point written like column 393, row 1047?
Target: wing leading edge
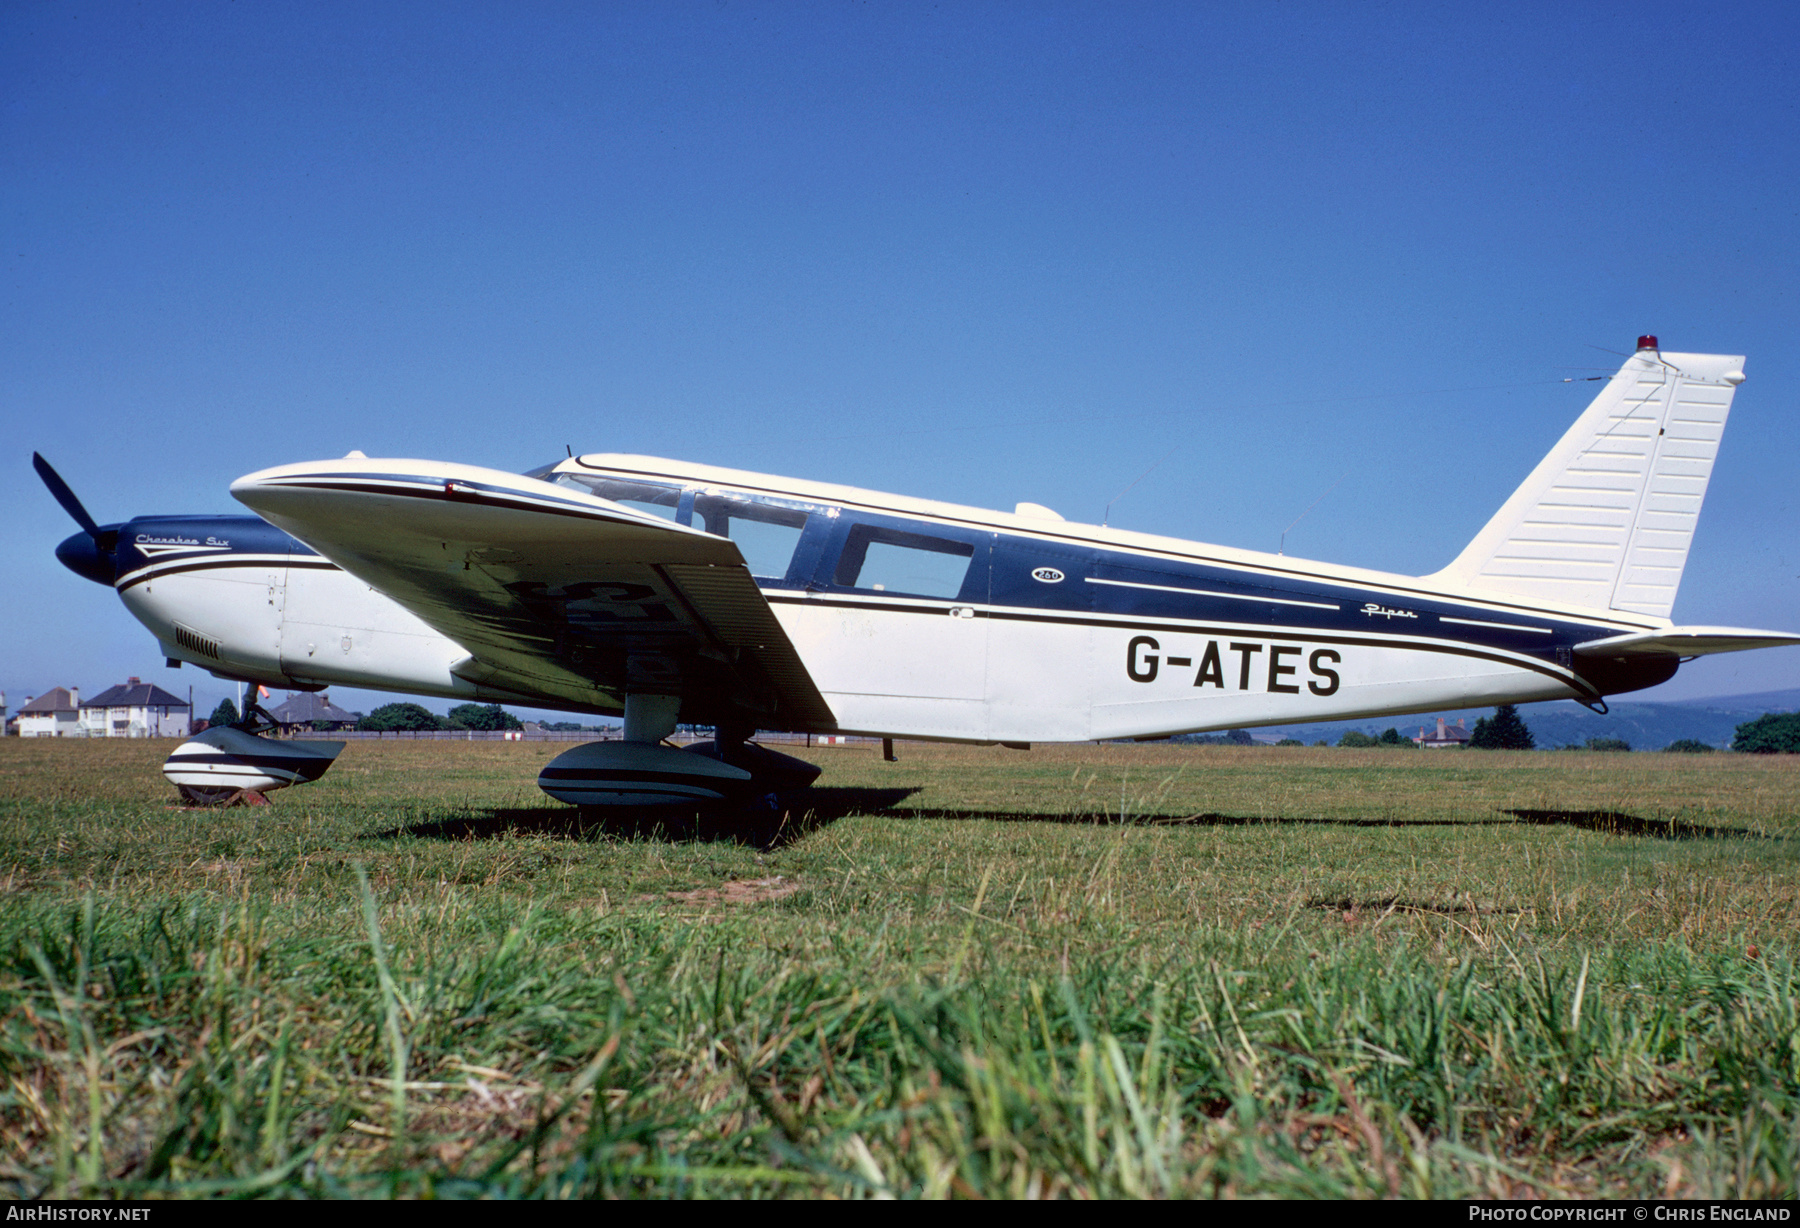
column 552, row 591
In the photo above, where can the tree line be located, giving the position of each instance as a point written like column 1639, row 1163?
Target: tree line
column 1771, row 733
column 403, row 716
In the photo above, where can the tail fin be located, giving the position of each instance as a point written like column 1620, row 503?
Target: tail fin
column 1605, row 520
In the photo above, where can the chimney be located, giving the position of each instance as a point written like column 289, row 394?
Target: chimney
column 75, row 697
column 132, row 682
column 1440, row 729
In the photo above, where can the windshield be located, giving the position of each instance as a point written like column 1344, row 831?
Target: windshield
column 649, row 497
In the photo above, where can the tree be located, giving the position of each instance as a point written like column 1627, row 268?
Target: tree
column 1769, row 734
column 1688, row 746
column 1502, row 731
column 225, row 714
column 1393, row 737
column 390, row 717
column 1358, row 740
column 1607, row 744
column 475, row 716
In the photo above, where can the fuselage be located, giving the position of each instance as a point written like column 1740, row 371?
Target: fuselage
column 924, row 619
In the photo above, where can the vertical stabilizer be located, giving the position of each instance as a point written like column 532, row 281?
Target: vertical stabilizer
column 1606, row 519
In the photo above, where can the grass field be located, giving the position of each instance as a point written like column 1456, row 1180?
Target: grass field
column 1079, row 971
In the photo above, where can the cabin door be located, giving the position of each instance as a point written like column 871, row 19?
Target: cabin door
column 894, row 628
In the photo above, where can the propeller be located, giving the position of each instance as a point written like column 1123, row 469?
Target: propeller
column 91, row 559
column 59, row 490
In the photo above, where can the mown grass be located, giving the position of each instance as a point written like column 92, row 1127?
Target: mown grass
column 1081, row 971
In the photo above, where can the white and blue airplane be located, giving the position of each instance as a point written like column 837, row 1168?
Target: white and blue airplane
column 665, row 591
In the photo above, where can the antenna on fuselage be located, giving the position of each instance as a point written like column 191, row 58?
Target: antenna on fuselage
column 1282, row 548
column 1105, row 515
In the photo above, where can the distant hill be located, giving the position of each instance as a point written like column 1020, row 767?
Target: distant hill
column 1567, row 723
column 1762, row 701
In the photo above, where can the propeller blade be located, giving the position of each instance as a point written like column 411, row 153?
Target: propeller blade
column 59, row 489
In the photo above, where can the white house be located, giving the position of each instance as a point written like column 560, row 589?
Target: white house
column 54, row 714
column 135, row 710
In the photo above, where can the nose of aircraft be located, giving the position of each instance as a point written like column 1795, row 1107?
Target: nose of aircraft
column 81, row 554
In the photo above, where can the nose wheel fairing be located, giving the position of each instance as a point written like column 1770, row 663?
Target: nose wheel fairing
column 218, row 763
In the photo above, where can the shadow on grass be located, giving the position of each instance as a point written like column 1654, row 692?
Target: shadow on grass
column 817, row 808
column 1393, row 904
column 764, row 829
column 1605, row 821
column 1180, row 820
column 1615, row 823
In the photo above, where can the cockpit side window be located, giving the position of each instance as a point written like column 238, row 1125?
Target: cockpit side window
column 649, row 497
column 887, row 560
column 766, row 535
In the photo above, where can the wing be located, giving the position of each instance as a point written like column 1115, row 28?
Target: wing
column 553, row 591
column 1684, row 642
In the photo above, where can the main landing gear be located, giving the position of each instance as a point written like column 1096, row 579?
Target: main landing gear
column 642, row 772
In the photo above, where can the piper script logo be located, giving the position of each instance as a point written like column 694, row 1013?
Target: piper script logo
column 157, row 547
column 1381, row 611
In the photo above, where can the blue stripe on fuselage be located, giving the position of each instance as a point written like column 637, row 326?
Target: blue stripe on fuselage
column 1123, row 584
column 1127, row 585
column 168, row 544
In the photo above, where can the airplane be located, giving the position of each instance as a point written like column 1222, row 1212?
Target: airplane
column 664, row 592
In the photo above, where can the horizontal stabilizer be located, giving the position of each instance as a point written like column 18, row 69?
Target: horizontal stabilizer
column 1684, row 642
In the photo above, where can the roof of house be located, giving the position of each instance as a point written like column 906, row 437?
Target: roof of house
column 56, row 699
column 298, row 709
column 135, row 694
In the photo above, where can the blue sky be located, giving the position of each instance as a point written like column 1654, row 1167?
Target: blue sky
column 984, row 253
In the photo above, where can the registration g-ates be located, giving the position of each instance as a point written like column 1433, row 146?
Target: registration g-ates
column 1282, row 661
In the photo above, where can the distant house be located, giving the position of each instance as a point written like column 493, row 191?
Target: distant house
column 304, row 711
column 1446, row 734
column 54, row 714
column 135, row 709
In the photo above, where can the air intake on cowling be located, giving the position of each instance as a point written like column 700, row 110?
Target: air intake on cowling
column 193, row 641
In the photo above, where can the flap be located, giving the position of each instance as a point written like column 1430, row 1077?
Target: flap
column 552, row 590
column 1684, row 642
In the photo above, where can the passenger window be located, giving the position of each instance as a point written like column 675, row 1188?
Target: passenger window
column 886, row 560
column 638, row 496
column 766, row 536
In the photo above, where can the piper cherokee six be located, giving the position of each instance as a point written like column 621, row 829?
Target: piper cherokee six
column 671, row 592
